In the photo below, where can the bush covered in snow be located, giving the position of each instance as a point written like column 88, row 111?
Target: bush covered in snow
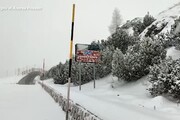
column 135, row 63
column 123, row 54
column 175, row 29
column 107, row 57
column 121, row 40
column 155, row 29
column 148, row 20
column 136, row 24
column 139, row 24
column 60, row 72
column 165, row 78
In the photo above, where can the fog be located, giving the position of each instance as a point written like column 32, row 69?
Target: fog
column 33, row 30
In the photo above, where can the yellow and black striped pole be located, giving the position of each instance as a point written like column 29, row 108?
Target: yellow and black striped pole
column 70, row 61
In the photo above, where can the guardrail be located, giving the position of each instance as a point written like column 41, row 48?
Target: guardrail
column 76, row 111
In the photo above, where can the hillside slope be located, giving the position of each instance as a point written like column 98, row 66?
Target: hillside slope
column 115, row 100
column 164, row 22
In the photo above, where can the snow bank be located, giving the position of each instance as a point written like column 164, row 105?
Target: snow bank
column 76, row 111
column 124, row 101
column 175, row 54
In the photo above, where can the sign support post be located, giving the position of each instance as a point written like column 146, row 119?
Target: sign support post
column 70, row 61
column 94, row 70
column 79, row 76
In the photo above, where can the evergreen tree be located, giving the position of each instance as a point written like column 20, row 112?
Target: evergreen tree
column 118, row 64
column 60, row 76
column 152, row 51
column 116, row 21
column 137, row 60
column 148, row 20
column 121, row 40
column 165, row 78
column 107, row 57
column 138, row 28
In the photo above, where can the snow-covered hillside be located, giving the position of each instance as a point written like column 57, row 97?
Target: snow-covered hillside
column 114, row 100
column 173, row 12
column 164, row 21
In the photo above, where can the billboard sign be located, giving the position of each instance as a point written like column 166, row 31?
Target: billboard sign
column 87, row 53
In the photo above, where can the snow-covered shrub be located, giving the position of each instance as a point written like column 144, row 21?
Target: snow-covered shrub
column 118, row 64
column 175, row 29
column 155, row 29
column 138, row 28
column 61, row 73
column 175, row 33
column 167, row 39
column 121, row 40
column 137, row 60
column 133, row 66
column 152, row 51
column 139, row 24
column 165, row 78
column 148, row 20
column 104, row 67
column 136, row 24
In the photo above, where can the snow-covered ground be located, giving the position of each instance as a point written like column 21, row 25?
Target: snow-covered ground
column 124, row 101
column 111, row 100
column 175, row 54
column 114, row 100
column 26, row 102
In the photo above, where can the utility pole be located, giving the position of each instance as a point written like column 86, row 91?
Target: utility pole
column 70, row 61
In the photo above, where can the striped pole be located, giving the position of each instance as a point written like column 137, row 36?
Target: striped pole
column 70, row 61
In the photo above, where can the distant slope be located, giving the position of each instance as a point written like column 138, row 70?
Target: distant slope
column 164, row 21
column 173, row 12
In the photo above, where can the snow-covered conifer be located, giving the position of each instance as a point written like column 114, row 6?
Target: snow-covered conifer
column 165, row 79
column 116, row 21
column 118, row 63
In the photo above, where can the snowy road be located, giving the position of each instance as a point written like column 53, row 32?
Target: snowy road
column 26, row 102
column 123, row 102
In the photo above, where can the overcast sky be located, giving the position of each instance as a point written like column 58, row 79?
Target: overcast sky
column 31, row 30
